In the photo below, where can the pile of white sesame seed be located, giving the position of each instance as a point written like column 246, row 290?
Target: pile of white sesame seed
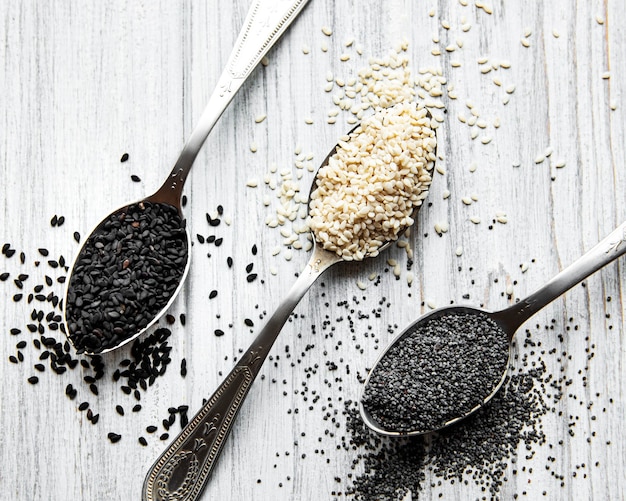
column 380, row 173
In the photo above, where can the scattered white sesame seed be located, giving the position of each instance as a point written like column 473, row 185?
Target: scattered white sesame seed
column 466, row 200
column 361, row 285
column 431, row 304
column 253, row 147
column 606, row 75
column 463, row 3
column 431, row 12
column 273, row 270
column 555, row 34
column 252, row 182
column 450, row 48
column 525, row 42
column 260, row 118
column 560, row 164
column 516, row 163
column 475, row 219
column 510, row 89
column 308, row 121
column 466, row 27
column 496, row 122
column 524, row 267
column 459, row 251
column 599, row 19
column 344, row 57
column 349, row 42
column 265, row 61
column 324, row 47
column 327, row 30
column 306, row 49
column 435, row 52
column 440, row 169
column 473, row 166
column 505, row 64
column 455, row 64
column 445, row 24
column 288, row 254
column 485, row 139
column 409, row 277
column 509, row 290
column 446, row 194
column 397, row 270
column 276, row 250
column 539, row 159
column 613, row 105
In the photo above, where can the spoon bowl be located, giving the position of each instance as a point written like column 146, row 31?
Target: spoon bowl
column 96, row 331
column 412, row 411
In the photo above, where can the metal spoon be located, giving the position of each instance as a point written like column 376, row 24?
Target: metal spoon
column 265, row 22
column 182, row 470
column 509, row 320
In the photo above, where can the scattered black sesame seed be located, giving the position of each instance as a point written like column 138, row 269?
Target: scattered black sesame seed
column 124, row 158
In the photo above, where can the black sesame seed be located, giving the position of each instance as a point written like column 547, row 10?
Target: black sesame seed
column 33, row 380
column 135, row 179
column 124, row 158
column 114, row 437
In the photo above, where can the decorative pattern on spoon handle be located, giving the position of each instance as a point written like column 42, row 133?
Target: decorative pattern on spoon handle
column 181, row 472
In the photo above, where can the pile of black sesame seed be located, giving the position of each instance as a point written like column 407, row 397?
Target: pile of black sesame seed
column 125, row 274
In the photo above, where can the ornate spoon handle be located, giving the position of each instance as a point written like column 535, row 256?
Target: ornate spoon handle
column 181, row 472
column 265, row 22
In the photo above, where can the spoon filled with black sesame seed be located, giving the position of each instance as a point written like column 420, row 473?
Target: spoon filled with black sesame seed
column 133, row 264
column 364, row 197
column 450, row 362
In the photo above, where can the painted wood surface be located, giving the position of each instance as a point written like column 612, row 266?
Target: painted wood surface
column 85, row 82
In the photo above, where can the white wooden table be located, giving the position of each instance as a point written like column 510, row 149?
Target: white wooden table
column 85, row 82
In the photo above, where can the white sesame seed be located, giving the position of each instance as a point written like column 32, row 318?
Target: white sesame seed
column 560, row 164
column 306, row 49
column 409, row 277
column 344, row 57
column 539, row 159
column 265, row 61
column 505, row 64
column 349, row 42
column 466, row 27
column 252, row 182
column 510, row 89
column 455, row 64
column 459, row 251
column 509, row 290
column 524, row 267
column 288, row 254
column 253, row 147
column 273, row 270
column 446, row 194
column 555, row 34
column 482, row 60
column 324, row 47
column 445, row 24
column 485, row 139
column 475, row 219
column 606, row 75
column 276, row 250
column 431, row 12
column 525, row 42
column 361, row 285
column 260, row 118
column 308, row 121
column 431, row 304
column 466, row 200
column 327, row 30
column 599, row 19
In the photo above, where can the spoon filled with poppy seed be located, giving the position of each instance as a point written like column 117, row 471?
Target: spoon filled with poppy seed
column 133, row 264
column 450, row 362
column 364, row 196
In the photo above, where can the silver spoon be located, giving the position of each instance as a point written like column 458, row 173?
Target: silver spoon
column 507, row 320
column 265, row 22
column 182, row 470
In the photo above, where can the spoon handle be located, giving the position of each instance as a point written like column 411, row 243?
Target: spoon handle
column 608, row 249
column 182, row 470
column 265, row 22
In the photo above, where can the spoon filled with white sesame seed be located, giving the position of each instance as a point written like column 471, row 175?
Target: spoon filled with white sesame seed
column 133, row 264
column 452, row 361
column 364, row 196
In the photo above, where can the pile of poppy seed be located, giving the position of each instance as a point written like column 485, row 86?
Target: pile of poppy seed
column 442, row 368
column 125, row 274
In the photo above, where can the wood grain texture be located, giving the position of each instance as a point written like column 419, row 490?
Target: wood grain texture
column 84, row 82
